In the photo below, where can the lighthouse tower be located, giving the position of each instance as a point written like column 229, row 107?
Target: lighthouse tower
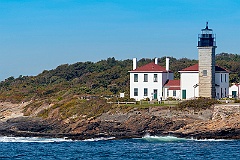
column 206, row 53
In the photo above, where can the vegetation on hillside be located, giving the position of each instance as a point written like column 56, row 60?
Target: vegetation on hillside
column 106, row 77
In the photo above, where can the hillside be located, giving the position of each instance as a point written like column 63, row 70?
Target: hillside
column 106, row 77
column 54, row 103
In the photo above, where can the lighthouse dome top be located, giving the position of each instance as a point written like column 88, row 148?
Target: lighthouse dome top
column 206, row 30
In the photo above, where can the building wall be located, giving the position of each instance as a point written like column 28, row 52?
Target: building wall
column 238, row 91
column 169, row 93
column 206, row 63
column 222, row 84
column 187, row 81
column 150, row 85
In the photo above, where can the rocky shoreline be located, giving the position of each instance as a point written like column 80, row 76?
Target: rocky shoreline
column 218, row 122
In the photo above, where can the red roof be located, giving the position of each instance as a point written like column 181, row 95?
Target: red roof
column 173, row 85
column 191, row 68
column 195, row 68
column 236, row 84
column 217, row 68
column 174, row 88
column 150, row 67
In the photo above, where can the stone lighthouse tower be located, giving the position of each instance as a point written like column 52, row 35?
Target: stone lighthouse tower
column 206, row 53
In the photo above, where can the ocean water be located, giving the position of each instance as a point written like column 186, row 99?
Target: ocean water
column 148, row 147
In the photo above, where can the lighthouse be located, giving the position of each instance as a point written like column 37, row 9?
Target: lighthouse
column 206, row 56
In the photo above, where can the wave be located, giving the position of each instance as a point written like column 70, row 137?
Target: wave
column 146, row 138
column 99, row 139
column 33, row 139
column 209, row 140
column 176, row 139
column 162, row 138
column 47, row 140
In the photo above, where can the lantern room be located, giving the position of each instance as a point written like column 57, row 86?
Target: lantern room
column 206, row 38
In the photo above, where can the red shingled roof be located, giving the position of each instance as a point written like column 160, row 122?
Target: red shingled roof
column 195, row 68
column 150, row 67
column 174, row 88
column 236, row 84
column 173, row 85
column 191, row 68
column 217, row 68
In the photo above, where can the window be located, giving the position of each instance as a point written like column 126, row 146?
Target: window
column 221, row 93
column 145, row 77
column 145, row 92
column 204, row 72
column 225, row 92
column 167, row 93
column 221, row 77
column 155, row 78
column 174, row 92
column 135, row 77
column 135, row 91
column 225, row 77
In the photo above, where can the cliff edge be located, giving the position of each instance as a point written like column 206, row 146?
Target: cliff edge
column 221, row 121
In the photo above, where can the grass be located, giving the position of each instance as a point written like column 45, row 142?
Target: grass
column 78, row 108
column 82, row 108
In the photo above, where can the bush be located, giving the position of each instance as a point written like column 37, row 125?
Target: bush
column 123, row 99
column 197, row 104
column 237, row 101
column 171, row 99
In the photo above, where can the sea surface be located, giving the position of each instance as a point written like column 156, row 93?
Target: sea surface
column 148, row 147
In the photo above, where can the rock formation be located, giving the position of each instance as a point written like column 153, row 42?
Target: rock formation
column 219, row 121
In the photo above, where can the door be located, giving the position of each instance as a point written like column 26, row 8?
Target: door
column 184, row 94
column 155, row 94
column 234, row 94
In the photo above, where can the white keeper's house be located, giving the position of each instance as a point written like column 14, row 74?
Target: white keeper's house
column 204, row 79
column 147, row 81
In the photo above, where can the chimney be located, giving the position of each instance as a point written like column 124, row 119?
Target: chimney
column 156, row 60
column 167, row 64
column 134, row 63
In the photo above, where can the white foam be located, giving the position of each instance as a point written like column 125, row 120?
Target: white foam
column 210, row 140
column 163, row 138
column 172, row 139
column 32, row 139
column 99, row 139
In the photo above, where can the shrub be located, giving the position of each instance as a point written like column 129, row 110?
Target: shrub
column 197, row 104
column 237, row 101
column 171, row 99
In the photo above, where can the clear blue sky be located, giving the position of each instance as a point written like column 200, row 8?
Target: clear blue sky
column 37, row 35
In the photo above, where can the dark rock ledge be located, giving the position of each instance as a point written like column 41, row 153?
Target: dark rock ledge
column 222, row 122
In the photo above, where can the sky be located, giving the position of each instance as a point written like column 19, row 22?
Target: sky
column 37, row 35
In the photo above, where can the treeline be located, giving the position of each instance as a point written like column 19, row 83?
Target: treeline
column 231, row 62
column 105, row 77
